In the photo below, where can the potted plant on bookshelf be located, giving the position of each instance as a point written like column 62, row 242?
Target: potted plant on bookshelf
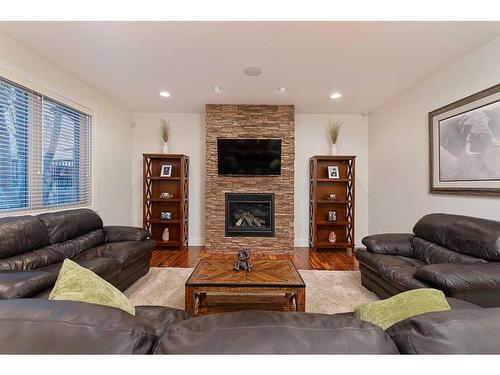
column 165, row 132
column 334, row 131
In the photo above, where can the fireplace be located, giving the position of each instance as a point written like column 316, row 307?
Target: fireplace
column 249, row 215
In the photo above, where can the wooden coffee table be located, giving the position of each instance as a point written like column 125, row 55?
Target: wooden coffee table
column 271, row 285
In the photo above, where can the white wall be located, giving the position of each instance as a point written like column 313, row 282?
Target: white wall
column 111, row 127
column 311, row 138
column 188, row 137
column 399, row 151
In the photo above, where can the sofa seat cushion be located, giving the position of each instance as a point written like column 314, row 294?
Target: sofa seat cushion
column 456, row 303
column 269, row 332
column 458, row 331
column 65, row 225
column 106, row 268
column 125, row 252
column 396, row 270
column 431, row 253
column 381, row 261
column 20, row 284
column 19, row 235
column 403, row 277
column 38, row 326
column 452, row 277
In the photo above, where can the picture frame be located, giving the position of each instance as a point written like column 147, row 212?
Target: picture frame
column 464, row 145
column 333, row 171
column 166, row 170
column 165, row 215
column 332, row 215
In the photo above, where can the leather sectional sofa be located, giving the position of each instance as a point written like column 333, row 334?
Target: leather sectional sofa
column 459, row 255
column 36, row 326
column 32, row 249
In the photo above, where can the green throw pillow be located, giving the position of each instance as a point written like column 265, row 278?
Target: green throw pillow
column 402, row 306
column 76, row 283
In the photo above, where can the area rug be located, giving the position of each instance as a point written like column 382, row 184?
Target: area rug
column 327, row 292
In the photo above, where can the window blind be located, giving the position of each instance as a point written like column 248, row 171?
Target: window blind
column 45, row 152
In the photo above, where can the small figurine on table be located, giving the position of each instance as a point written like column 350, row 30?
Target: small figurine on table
column 243, row 261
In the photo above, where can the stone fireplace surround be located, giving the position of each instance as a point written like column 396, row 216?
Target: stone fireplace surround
column 250, row 121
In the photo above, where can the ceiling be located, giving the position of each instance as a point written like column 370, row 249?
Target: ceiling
column 368, row 62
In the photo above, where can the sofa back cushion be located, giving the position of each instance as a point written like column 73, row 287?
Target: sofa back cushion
column 20, row 235
column 431, row 253
column 65, row 225
column 467, row 235
column 458, row 331
column 268, row 332
column 39, row 326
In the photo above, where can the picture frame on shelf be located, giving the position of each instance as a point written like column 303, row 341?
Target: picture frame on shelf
column 165, row 215
column 333, row 171
column 332, row 215
column 166, row 170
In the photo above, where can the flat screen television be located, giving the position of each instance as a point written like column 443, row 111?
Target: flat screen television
column 249, row 157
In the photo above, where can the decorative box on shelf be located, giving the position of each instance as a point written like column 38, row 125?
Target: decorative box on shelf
column 331, row 202
column 165, row 198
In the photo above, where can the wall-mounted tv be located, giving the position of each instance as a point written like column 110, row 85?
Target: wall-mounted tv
column 249, row 157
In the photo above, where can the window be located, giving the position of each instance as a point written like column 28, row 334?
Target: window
column 45, row 152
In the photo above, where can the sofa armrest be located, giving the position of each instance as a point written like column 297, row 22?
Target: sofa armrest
column 20, row 284
column 123, row 233
column 461, row 277
column 390, row 243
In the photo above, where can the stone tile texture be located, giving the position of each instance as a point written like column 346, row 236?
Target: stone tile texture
column 250, row 121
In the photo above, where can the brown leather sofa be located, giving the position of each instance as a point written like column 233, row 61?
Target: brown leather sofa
column 458, row 254
column 32, row 249
column 40, row 326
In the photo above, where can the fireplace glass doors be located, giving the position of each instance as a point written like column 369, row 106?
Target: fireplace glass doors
column 249, row 215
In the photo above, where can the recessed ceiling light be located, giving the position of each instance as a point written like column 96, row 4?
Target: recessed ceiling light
column 282, row 89
column 165, row 94
column 252, row 71
column 217, row 88
column 336, row 95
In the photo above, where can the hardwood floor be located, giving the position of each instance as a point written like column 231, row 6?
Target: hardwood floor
column 303, row 257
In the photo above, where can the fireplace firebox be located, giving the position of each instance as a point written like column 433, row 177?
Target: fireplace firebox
column 249, row 215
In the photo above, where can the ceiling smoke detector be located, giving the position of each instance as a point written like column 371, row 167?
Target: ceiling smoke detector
column 217, row 88
column 252, row 71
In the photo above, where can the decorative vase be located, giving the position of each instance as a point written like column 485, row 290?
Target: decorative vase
column 164, row 148
column 166, row 235
column 334, row 149
column 332, row 237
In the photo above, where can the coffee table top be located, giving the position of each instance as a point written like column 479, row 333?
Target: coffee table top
column 265, row 273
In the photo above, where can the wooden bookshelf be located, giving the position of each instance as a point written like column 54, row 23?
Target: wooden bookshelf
column 320, row 186
column 178, row 205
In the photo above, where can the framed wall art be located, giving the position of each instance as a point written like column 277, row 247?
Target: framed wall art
column 464, row 143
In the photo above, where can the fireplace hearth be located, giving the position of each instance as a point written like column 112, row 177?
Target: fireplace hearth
column 249, row 215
